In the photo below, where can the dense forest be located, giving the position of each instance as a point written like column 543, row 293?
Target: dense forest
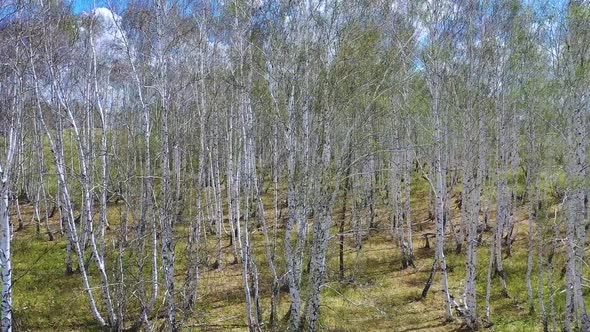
column 295, row 165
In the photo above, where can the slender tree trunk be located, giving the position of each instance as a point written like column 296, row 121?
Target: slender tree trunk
column 342, row 220
column 5, row 254
column 440, row 192
column 407, row 206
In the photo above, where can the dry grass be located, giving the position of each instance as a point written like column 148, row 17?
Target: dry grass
column 376, row 295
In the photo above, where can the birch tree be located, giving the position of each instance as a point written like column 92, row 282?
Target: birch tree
column 576, row 106
column 13, row 105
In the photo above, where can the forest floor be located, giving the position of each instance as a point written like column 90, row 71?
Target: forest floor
column 376, row 294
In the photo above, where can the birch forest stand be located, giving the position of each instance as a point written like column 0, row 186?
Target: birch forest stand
column 294, row 165
column 376, row 293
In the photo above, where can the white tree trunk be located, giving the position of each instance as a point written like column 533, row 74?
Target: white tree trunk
column 5, row 254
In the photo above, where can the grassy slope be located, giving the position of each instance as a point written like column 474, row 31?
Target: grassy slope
column 378, row 294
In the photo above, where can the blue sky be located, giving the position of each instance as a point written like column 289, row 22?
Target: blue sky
column 79, row 6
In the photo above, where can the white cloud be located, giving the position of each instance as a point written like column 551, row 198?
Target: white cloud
column 108, row 37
